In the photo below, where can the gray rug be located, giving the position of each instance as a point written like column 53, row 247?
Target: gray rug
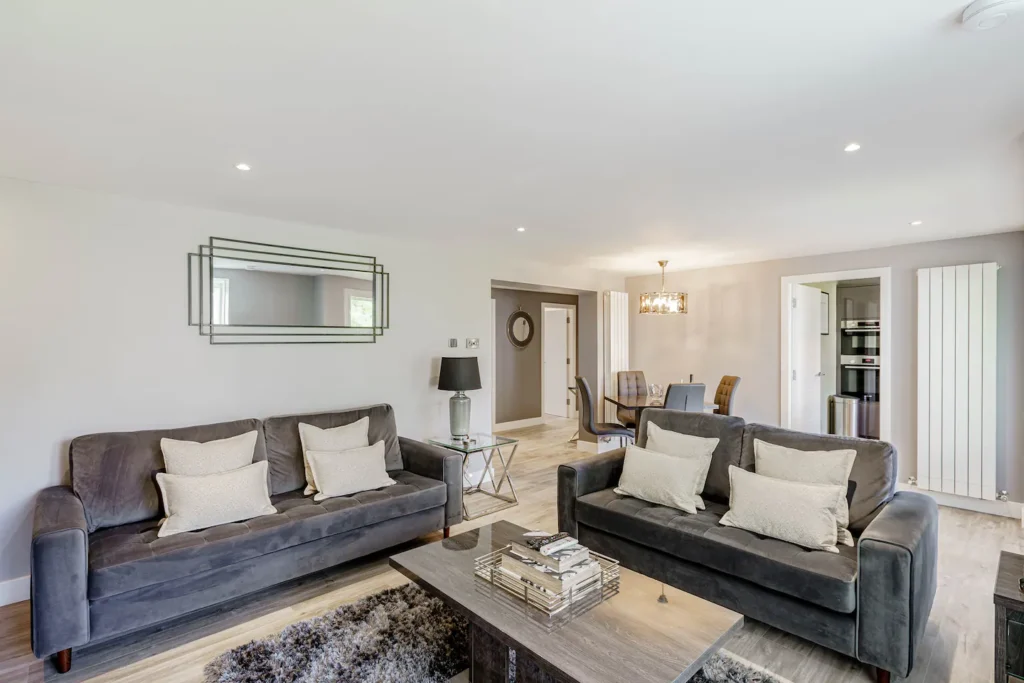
column 400, row 635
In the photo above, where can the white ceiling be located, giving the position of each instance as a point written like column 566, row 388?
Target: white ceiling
column 617, row 132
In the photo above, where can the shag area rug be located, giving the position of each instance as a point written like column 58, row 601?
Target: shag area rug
column 400, row 635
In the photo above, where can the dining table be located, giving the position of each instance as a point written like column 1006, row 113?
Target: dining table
column 638, row 404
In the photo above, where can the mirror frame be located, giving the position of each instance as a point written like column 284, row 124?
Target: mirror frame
column 512, row 319
column 200, row 293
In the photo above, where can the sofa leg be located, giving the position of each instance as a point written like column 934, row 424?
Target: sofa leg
column 882, row 676
column 62, row 661
column 447, row 531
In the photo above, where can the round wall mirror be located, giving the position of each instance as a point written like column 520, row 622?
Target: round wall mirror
column 520, row 329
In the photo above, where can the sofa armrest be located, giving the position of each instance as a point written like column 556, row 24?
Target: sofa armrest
column 579, row 478
column 437, row 463
column 897, row 561
column 59, row 572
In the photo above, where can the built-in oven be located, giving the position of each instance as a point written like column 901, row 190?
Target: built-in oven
column 860, row 338
column 858, row 377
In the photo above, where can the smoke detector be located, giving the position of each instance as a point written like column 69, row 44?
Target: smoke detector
column 983, row 15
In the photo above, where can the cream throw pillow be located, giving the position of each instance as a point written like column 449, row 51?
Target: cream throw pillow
column 674, row 443
column 343, row 438
column 192, row 458
column 659, row 478
column 811, row 467
column 346, row 472
column 802, row 514
column 207, row 500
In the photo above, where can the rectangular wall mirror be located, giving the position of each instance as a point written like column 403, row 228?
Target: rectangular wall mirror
column 248, row 292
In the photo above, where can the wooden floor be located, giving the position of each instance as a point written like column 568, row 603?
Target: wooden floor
column 957, row 647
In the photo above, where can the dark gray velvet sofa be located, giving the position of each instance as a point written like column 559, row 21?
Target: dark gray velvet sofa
column 870, row 602
column 99, row 570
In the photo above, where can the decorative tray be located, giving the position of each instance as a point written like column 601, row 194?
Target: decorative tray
column 587, row 592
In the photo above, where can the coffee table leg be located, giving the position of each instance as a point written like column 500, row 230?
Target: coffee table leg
column 488, row 658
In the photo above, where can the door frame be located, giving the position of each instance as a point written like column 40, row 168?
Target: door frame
column 570, row 371
column 885, row 373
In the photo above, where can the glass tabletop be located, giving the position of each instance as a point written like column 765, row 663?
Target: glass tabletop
column 634, row 402
column 472, row 443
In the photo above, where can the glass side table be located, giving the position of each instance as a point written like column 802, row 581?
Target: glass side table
column 490, row 447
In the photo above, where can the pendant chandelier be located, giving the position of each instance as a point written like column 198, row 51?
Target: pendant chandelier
column 662, row 303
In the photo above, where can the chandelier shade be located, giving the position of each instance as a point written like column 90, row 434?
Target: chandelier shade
column 662, row 303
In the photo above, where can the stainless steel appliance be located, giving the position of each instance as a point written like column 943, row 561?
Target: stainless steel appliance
column 859, row 367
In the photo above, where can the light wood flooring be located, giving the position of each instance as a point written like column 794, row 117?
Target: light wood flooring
column 958, row 645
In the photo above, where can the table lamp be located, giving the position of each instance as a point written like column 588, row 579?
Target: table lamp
column 459, row 375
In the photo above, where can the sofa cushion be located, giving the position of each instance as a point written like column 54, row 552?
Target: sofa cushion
column 284, row 447
column 129, row 557
column 728, row 431
column 874, row 468
column 113, row 473
column 824, row 579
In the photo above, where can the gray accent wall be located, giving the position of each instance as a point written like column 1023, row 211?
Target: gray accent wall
column 517, row 371
column 733, row 327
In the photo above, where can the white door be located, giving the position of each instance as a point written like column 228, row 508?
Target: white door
column 555, row 355
column 805, row 343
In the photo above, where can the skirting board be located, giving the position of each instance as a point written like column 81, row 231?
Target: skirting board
column 14, row 590
column 518, row 424
column 1000, row 508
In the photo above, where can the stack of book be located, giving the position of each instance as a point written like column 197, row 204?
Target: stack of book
column 551, row 564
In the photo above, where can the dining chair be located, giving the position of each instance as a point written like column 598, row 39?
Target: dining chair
column 631, row 383
column 685, row 397
column 599, row 429
column 725, row 393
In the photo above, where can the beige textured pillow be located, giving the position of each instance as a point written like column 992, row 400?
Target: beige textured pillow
column 810, row 467
column 192, row 503
column 802, row 514
column 674, row 443
column 192, row 458
column 343, row 438
column 659, row 478
column 346, row 472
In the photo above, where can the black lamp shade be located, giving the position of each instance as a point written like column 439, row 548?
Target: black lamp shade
column 459, row 374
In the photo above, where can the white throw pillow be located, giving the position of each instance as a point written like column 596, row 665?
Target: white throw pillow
column 660, row 478
column 342, row 473
column 811, row 467
column 674, row 443
column 192, row 503
column 802, row 514
column 343, row 438
column 191, row 458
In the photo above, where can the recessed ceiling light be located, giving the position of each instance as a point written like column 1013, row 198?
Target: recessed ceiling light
column 243, row 167
column 852, row 147
column 916, row 223
column 520, row 229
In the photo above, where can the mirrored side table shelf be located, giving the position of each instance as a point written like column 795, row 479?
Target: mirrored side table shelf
column 496, row 453
column 1009, row 604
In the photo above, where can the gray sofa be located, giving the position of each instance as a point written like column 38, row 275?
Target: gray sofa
column 99, row 570
column 870, row 602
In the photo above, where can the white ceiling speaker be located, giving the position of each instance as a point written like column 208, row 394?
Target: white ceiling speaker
column 982, row 15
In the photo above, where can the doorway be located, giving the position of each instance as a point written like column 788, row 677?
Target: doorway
column 816, row 319
column 558, row 359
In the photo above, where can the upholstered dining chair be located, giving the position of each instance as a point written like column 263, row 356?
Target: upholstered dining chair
column 725, row 393
column 589, row 410
column 631, row 383
column 685, row 397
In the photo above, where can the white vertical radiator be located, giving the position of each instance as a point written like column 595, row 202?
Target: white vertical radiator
column 616, row 343
column 956, row 380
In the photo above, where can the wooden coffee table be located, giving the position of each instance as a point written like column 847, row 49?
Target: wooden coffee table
column 628, row 637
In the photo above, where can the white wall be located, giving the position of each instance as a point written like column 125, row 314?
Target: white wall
column 95, row 337
column 733, row 328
